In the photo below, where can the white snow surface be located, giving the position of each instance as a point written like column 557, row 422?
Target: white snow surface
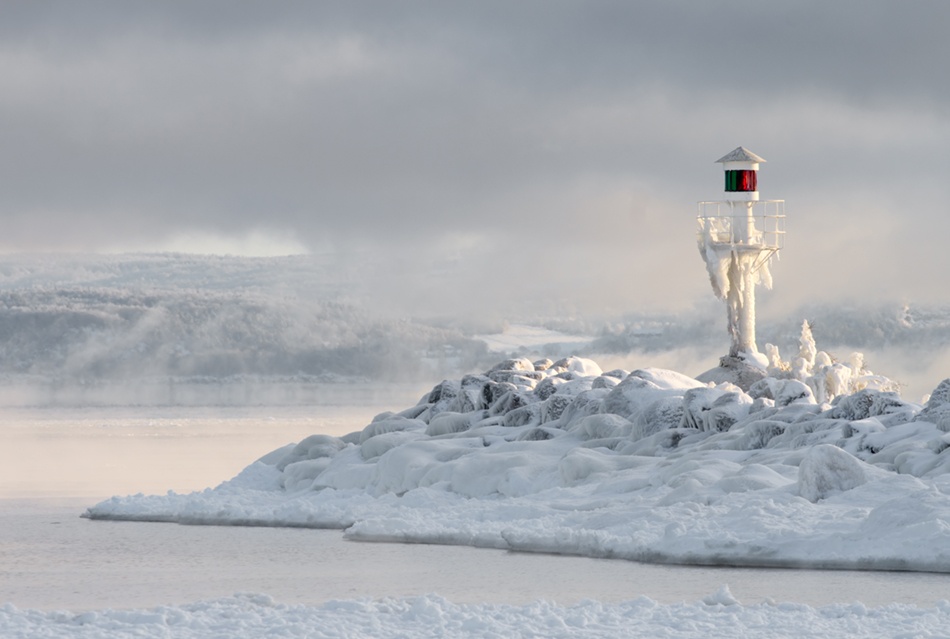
column 248, row 615
column 522, row 336
column 648, row 465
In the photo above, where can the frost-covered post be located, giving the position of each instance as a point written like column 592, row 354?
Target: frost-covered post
column 738, row 237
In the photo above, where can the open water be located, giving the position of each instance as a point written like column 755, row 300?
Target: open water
column 54, row 462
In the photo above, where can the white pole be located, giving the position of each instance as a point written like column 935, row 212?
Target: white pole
column 740, row 302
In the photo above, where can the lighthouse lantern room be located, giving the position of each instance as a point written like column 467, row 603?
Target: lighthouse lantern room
column 738, row 237
column 742, row 168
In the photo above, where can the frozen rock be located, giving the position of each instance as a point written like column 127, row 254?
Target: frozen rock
column 510, row 401
column 516, row 364
column 472, row 396
column 604, row 381
column 312, row 447
column 662, row 413
column 543, row 364
column 473, row 381
column 579, row 365
column 803, row 435
column 940, row 395
column 275, row 456
column 571, row 386
column 758, row 434
column 390, row 425
column 826, row 470
column 600, row 426
column 665, row 379
column 585, row 403
column 300, row 475
column 448, row 423
column 761, row 405
column 866, row 403
column 714, row 409
column 733, row 370
column 469, row 400
column 937, row 408
column 548, row 387
column 861, row 428
column 445, row 390
column 554, row 406
column 537, row 434
column 384, row 442
column 782, row 391
column 493, row 391
column 522, row 379
column 643, row 387
column 529, row 415
column 413, row 412
column 792, row 391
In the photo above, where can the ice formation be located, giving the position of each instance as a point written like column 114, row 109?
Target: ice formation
column 825, row 377
column 734, row 274
column 648, row 465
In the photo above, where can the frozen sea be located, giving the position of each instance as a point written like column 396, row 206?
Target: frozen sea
column 55, row 462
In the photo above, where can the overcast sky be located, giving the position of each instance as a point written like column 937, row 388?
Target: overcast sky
column 550, row 146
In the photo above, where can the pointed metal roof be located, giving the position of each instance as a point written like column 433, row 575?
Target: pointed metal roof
column 740, row 154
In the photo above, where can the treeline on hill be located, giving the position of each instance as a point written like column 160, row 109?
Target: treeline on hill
column 107, row 333
column 103, row 333
column 842, row 326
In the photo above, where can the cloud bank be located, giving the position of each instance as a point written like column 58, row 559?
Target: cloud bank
column 576, row 137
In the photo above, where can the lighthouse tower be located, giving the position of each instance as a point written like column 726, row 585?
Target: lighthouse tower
column 738, row 237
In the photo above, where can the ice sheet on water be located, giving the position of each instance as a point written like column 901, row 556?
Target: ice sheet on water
column 655, row 467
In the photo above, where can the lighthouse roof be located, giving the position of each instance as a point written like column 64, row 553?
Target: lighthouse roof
column 740, row 154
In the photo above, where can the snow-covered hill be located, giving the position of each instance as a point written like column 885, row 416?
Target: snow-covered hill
column 89, row 321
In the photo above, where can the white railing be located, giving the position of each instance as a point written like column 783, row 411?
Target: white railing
column 730, row 223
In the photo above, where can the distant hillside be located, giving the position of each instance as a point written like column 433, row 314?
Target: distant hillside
column 100, row 333
column 107, row 320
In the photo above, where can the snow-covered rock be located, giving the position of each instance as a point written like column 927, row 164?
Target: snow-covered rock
column 937, row 408
column 826, row 470
column 657, row 467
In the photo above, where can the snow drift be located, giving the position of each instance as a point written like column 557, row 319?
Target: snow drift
column 255, row 615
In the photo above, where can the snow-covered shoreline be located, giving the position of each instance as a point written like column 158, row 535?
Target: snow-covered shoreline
column 648, row 465
column 253, row 615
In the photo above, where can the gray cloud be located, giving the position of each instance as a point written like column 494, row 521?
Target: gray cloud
column 567, row 138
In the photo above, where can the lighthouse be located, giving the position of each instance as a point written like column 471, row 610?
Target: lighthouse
column 738, row 236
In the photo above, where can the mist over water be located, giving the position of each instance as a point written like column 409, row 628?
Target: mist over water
column 95, row 452
column 190, row 330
